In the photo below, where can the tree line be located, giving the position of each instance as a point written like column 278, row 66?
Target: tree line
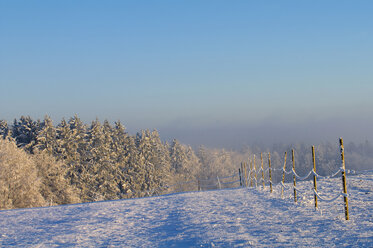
column 45, row 164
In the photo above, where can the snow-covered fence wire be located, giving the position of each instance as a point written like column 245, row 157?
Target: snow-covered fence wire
column 200, row 184
column 252, row 176
column 219, row 182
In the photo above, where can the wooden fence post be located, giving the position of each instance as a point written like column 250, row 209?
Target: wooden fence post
column 261, row 161
column 283, row 177
column 294, row 178
column 239, row 174
column 251, row 172
column 218, row 182
column 199, row 185
column 255, row 175
column 270, row 171
column 244, row 165
column 344, row 178
column 314, row 176
column 243, row 175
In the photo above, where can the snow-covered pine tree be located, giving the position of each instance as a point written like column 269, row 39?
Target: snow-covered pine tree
column 78, row 136
column 154, row 162
column 134, row 171
column 161, row 161
column 120, row 157
column 71, row 148
column 102, row 167
column 46, row 139
column 64, row 136
column 178, row 157
column 146, row 174
column 25, row 132
column 5, row 131
column 185, row 165
column 54, row 186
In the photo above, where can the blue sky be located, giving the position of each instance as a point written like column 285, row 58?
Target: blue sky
column 185, row 67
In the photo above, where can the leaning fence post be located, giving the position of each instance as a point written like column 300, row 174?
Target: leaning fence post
column 218, row 182
column 314, row 174
column 270, row 171
column 283, row 177
column 294, row 178
column 344, row 178
column 261, row 161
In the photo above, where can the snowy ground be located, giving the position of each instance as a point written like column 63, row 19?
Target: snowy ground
column 241, row 217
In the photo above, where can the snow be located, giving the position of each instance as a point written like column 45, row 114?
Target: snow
column 239, row 217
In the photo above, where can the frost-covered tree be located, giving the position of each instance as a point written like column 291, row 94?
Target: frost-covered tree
column 134, row 171
column 154, row 163
column 185, row 165
column 71, row 148
column 121, row 157
column 19, row 182
column 25, row 132
column 78, row 138
column 178, row 157
column 54, row 187
column 147, row 178
column 5, row 131
column 160, row 159
column 46, row 139
column 101, row 165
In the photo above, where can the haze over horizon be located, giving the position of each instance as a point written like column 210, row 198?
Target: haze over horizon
column 217, row 73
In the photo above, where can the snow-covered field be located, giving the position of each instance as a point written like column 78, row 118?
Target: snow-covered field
column 240, row 217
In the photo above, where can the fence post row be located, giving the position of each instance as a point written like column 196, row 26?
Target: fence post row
column 344, row 178
column 314, row 174
column 294, row 178
column 253, row 175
